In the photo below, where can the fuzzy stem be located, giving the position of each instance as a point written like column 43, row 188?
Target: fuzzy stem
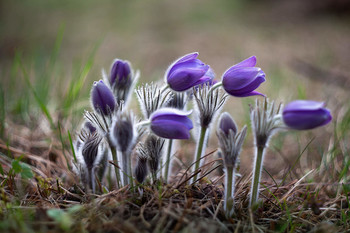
column 257, row 175
column 116, row 169
column 199, row 150
column 229, row 190
column 125, row 168
column 131, row 180
column 215, row 86
column 167, row 162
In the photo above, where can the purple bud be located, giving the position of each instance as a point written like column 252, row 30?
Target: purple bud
column 187, row 72
column 226, row 123
column 171, row 123
column 306, row 114
column 120, row 74
column 102, row 98
column 243, row 78
column 89, row 126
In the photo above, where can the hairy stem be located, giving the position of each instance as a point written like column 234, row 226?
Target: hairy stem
column 229, row 190
column 199, row 151
column 254, row 195
column 167, row 162
column 116, row 169
column 125, row 168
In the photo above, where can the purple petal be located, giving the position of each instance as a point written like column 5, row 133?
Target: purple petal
column 253, row 93
column 303, row 120
column 183, row 79
column 170, row 129
column 299, row 105
column 249, row 62
column 226, row 123
column 187, row 57
column 102, row 98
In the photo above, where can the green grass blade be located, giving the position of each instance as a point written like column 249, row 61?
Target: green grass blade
column 38, row 100
column 63, row 147
column 296, row 161
column 77, row 85
column 72, row 147
column 2, row 112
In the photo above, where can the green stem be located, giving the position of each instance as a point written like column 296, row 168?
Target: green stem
column 131, row 179
column 199, row 151
column 257, row 175
column 167, row 162
column 116, row 169
column 229, row 191
column 125, row 168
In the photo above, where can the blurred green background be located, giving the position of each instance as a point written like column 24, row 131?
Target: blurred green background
column 52, row 51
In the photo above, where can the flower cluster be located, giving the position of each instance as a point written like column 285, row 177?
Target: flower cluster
column 112, row 134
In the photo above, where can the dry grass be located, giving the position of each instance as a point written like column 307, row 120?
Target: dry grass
column 296, row 206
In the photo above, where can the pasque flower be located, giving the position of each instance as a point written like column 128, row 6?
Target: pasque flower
column 102, row 98
column 306, row 114
column 187, row 72
column 171, row 123
column 120, row 74
column 242, row 79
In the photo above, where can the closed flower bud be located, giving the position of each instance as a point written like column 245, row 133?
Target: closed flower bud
column 171, row 123
column 120, row 74
column 242, row 79
column 89, row 126
column 123, row 132
column 187, row 72
column 306, row 114
column 227, row 124
column 141, row 169
column 102, row 98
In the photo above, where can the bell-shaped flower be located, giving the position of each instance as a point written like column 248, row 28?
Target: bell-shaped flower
column 306, row 114
column 187, row 72
column 171, row 123
column 102, row 98
column 242, row 79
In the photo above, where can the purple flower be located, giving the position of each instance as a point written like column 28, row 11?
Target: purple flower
column 171, row 123
column 243, row 78
column 102, row 98
column 120, row 74
column 226, row 123
column 306, row 114
column 187, row 72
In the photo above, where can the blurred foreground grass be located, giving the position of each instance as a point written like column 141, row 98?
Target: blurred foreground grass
column 52, row 51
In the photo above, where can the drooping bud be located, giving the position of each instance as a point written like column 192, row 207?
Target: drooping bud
column 171, row 123
column 306, row 114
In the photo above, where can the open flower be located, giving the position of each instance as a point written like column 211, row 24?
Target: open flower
column 102, row 98
column 242, row 79
column 306, row 114
column 187, row 72
column 171, row 123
